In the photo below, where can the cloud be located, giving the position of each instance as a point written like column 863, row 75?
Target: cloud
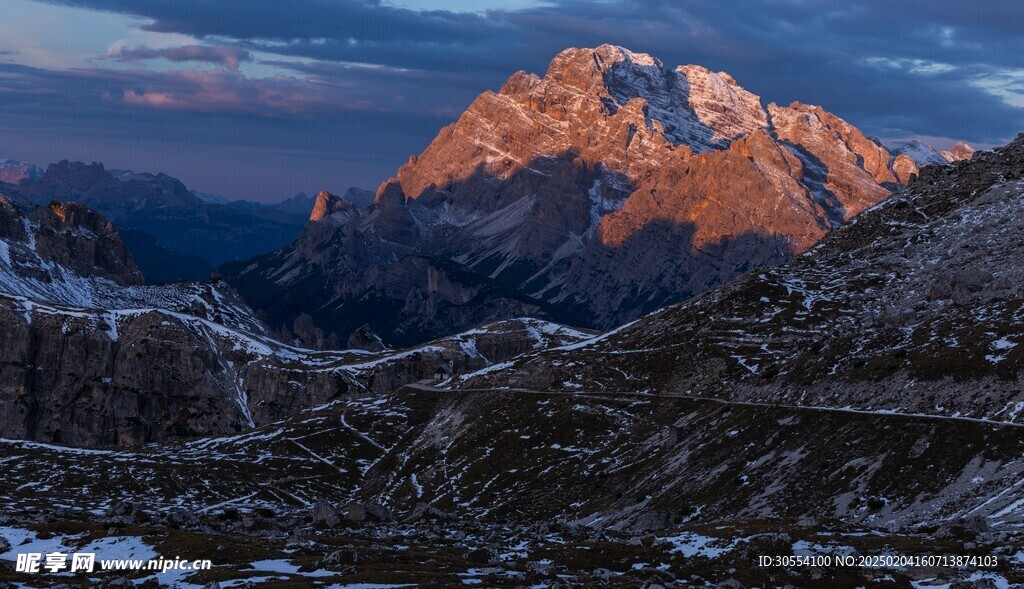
column 245, row 138
column 223, row 55
column 914, row 66
column 384, row 79
column 232, row 93
column 1007, row 84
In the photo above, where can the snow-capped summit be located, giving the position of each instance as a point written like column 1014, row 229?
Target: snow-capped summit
column 922, row 153
column 696, row 107
column 925, row 155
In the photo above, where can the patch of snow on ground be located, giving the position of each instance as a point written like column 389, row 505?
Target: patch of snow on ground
column 690, row 544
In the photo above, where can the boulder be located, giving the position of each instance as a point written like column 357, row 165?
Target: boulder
column 324, row 514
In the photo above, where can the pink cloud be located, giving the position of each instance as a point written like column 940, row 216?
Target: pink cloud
column 152, row 99
column 224, row 55
column 231, row 92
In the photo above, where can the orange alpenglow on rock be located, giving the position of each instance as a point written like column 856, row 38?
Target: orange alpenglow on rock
column 606, row 189
column 327, row 204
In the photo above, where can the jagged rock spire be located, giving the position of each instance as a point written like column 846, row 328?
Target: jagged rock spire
column 326, row 204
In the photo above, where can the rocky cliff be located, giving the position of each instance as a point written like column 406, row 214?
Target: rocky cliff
column 605, row 189
column 90, row 356
column 63, row 236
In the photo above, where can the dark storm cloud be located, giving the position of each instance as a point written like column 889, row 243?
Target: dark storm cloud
column 946, row 68
column 808, row 49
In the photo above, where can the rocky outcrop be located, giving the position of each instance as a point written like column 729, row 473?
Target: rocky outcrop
column 75, row 237
column 326, row 205
column 905, row 168
column 603, row 190
column 301, row 204
column 66, row 235
column 364, row 339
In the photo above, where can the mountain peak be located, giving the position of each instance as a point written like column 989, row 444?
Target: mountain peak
column 924, row 154
column 554, row 187
column 598, row 70
column 327, row 204
column 693, row 106
column 960, row 151
column 603, row 57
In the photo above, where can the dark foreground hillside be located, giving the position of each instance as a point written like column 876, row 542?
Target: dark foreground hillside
column 516, row 489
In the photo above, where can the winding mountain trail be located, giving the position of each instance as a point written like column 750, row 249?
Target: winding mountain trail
column 612, row 394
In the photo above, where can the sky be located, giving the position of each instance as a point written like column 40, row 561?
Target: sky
column 260, row 99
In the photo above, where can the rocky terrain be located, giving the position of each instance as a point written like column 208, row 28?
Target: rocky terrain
column 91, row 356
column 859, row 400
column 437, row 488
column 605, row 189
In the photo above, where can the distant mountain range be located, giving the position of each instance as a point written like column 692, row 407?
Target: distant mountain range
column 604, row 190
column 174, row 233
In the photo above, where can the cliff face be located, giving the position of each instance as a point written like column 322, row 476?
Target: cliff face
column 603, row 190
column 90, row 356
column 68, row 235
column 89, row 377
column 327, row 204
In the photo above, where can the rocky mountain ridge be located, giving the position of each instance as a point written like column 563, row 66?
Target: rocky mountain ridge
column 91, row 356
column 604, row 190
